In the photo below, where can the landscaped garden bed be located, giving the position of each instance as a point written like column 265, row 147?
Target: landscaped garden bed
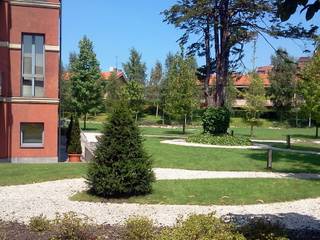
column 226, row 140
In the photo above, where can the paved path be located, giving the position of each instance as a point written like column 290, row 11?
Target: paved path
column 25, row 201
column 171, row 174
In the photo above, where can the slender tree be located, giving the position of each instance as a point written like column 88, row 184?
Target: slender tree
column 226, row 26
column 154, row 86
column 283, row 80
column 255, row 100
column 85, row 77
column 309, row 88
column 181, row 90
column 135, row 69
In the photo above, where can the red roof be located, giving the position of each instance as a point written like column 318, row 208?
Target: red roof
column 106, row 75
column 243, row 80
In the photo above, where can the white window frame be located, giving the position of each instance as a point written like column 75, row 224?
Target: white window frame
column 32, row 76
column 31, row 145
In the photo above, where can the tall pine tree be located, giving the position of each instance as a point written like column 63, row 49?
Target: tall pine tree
column 135, row 69
column 86, row 79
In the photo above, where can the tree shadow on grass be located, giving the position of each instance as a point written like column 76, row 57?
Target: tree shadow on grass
column 288, row 162
column 299, row 226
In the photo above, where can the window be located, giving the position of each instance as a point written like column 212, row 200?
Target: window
column 32, row 134
column 32, row 65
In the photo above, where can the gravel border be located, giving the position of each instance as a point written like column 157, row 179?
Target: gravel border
column 22, row 202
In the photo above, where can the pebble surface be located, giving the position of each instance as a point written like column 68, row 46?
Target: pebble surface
column 20, row 203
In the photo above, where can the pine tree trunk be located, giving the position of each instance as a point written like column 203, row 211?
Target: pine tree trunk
column 208, row 63
column 310, row 122
column 157, row 111
column 136, row 117
column 251, row 130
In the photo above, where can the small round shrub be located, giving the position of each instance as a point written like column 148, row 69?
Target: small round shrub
column 39, row 224
column 226, row 140
column 139, row 228
column 216, row 121
column 121, row 167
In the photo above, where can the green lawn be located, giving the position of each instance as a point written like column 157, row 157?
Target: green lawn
column 15, row 174
column 220, row 192
column 172, row 156
column 303, row 146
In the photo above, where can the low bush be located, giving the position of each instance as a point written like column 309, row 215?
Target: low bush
column 227, row 140
column 198, row 227
column 139, row 228
column 216, row 121
column 70, row 226
column 39, row 223
column 263, row 230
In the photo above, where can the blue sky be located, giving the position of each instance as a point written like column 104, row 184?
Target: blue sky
column 116, row 26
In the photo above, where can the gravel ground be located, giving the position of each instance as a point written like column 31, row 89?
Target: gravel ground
column 22, row 202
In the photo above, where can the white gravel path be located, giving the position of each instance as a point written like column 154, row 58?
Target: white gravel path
column 22, row 202
column 171, row 174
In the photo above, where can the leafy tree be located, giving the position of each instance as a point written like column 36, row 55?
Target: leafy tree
column 154, row 85
column 86, row 79
column 255, row 100
column 65, row 92
column 74, row 143
column 309, row 88
column 114, row 91
column 121, row 167
column 181, row 90
column 226, row 26
column 286, row 8
column 282, row 79
column 134, row 92
column 135, row 69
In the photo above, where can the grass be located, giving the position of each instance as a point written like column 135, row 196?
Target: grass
column 172, row 156
column 304, row 146
column 15, row 174
column 220, row 192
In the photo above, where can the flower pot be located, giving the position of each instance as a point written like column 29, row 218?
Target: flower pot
column 74, row 157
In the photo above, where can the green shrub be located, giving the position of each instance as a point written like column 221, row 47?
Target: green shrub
column 139, row 228
column 227, row 140
column 74, row 144
column 69, row 226
column 39, row 223
column 216, row 121
column 121, row 167
column 263, row 230
column 68, row 133
column 201, row 227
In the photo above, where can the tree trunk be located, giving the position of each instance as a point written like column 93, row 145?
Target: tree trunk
column 157, row 111
column 208, row 62
column 136, row 117
column 85, row 122
column 310, row 122
column 317, row 131
column 162, row 117
column 251, row 130
column 184, row 124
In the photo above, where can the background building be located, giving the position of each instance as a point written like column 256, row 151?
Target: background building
column 29, row 85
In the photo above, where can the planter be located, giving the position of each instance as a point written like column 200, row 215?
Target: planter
column 74, row 157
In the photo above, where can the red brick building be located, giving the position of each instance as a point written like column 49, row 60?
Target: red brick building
column 29, row 85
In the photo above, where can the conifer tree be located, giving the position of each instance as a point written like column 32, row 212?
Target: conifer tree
column 121, row 167
column 74, row 146
column 135, row 69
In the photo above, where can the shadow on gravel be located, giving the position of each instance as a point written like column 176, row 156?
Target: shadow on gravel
column 308, row 228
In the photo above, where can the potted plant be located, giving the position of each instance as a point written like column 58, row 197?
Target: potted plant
column 74, row 142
